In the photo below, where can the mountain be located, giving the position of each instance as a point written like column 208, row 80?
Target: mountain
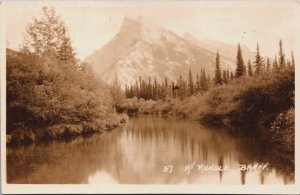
column 225, row 50
column 144, row 48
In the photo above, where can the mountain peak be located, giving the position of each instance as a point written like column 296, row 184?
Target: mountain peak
column 142, row 27
column 141, row 20
column 187, row 35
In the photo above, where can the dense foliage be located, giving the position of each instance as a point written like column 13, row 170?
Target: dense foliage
column 50, row 98
column 49, row 94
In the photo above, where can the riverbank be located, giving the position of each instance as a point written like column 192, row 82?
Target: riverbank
column 251, row 101
column 64, row 131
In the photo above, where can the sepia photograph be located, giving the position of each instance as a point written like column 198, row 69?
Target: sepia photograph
column 148, row 93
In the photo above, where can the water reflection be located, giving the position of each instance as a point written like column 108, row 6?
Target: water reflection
column 137, row 153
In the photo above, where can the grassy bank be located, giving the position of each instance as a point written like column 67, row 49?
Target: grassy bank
column 64, row 131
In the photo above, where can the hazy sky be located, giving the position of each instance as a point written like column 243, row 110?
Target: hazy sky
column 93, row 24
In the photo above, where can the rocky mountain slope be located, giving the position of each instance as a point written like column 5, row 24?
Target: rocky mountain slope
column 144, row 48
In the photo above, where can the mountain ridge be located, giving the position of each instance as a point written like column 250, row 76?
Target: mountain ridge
column 143, row 48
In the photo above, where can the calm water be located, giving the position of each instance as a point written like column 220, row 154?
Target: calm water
column 138, row 152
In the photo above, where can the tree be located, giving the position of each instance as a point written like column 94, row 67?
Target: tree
column 182, row 88
column 116, row 92
column 218, row 77
column 275, row 64
column 66, row 52
column 258, row 61
column 167, row 88
column 227, row 75
column 281, row 56
column 263, row 66
column 47, row 36
column 225, row 80
column 240, row 68
column 231, row 76
column 190, row 84
column 250, row 72
column 293, row 60
column 268, row 64
column 155, row 90
column 198, row 82
column 288, row 63
column 203, row 81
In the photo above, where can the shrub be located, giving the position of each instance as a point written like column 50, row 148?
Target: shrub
column 49, row 98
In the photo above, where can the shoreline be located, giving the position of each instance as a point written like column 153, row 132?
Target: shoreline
column 61, row 132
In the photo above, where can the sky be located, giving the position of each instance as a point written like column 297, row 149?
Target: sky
column 92, row 24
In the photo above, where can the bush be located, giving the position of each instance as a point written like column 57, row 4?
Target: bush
column 54, row 99
column 283, row 131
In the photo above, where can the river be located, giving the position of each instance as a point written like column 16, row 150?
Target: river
column 148, row 150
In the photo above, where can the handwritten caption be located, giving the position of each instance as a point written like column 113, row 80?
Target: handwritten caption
column 213, row 167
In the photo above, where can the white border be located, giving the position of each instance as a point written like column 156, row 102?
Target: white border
column 92, row 189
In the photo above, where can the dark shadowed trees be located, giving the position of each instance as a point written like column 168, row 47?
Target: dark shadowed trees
column 218, row 74
column 250, row 71
column 190, row 84
column 258, row 61
column 240, row 67
column 281, row 55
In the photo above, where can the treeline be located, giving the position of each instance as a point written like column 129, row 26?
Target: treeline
column 160, row 91
column 183, row 88
column 49, row 94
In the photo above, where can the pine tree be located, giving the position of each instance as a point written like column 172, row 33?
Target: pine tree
column 293, row 60
column 240, row 68
column 268, row 64
column 288, row 63
column 258, row 61
column 167, row 88
column 140, row 87
column 180, row 86
column 149, row 89
column 185, row 89
column 218, row 77
column 250, row 72
column 126, row 91
column 155, row 90
column 190, row 84
column 225, row 77
column 281, row 56
column 66, row 52
column 116, row 92
column 231, row 76
column 174, row 89
column 136, row 90
column 198, row 82
column 203, row 81
column 144, row 90
column 263, row 66
column 275, row 64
